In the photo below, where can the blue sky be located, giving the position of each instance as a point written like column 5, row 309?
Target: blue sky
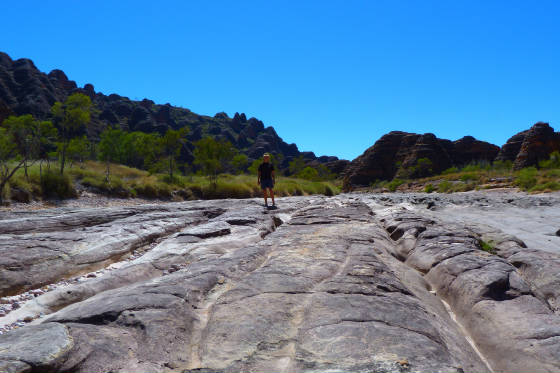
column 331, row 76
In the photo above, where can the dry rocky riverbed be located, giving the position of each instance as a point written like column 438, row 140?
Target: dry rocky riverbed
column 352, row 283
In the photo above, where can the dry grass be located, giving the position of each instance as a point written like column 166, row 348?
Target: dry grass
column 130, row 182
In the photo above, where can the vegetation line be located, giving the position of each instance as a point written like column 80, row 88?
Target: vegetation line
column 55, row 159
column 479, row 176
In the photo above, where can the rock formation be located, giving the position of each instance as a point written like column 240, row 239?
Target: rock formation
column 368, row 283
column 527, row 148
column 26, row 90
column 400, row 154
column 469, row 149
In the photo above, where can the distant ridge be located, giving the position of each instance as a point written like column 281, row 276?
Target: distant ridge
column 411, row 155
column 26, row 90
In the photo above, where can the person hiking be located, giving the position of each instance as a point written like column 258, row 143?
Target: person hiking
column 266, row 179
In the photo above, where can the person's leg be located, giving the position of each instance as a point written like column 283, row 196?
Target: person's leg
column 272, row 196
column 265, row 196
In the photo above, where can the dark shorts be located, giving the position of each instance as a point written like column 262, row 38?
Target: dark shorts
column 268, row 183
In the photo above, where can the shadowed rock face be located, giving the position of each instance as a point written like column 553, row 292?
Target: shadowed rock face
column 26, row 90
column 527, row 148
column 511, row 148
column 340, row 284
column 468, row 149
column 538, row 143
column 398, row 154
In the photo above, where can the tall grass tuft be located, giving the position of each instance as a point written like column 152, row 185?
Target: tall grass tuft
column 55, row 185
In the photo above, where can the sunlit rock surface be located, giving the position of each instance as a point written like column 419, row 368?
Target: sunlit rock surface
column 353, row 283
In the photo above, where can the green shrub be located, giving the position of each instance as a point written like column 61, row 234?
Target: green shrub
column 394, row 184
column 552, row 173
column 146, row 190
column 502, row 165
column 468, row 176
column 549, row 186
column 478, row 166
column 55, row 185
column 450, row 170
column 462, row 187
column 444, row 186
column 21, row 190
column 527, row 178
column 175, row 180
column 487, row 246
column 379, row 183
column 5, row 193
column 115, row 187
column 328, row 191
column 227, row 190
column 309, row 173
column 164, row 190
column 429, row 188
column 552, row 162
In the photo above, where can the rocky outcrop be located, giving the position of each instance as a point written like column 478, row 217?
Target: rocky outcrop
column 379, row 162
column 349, row 283
column 26, row 90
column 527, row 148
column 538, row 142
column 426, row 147
column 41, row 249
column 409, row 155
column 510, row 149
column 487, row 294
column 469, row 149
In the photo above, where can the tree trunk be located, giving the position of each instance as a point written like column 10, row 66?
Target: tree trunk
column 25, row 168
column 107, row 171
column 170, row 169
column 7, row 177
column 63, row 160
column 2, row 185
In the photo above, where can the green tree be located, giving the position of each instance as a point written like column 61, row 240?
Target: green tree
column 309, row 173
column 78, row 150
column 325, row 173
column 140, row 149
column 8, row 153
column 424, row 166
column 21, row 139
column 110, row 148
column 526, row 178
column 296, row 165
column 25, row 134
column 254, row 167
column 171, row 144
column 47, row 144
column 212, row 156
column 552, row 162
column 70, row 117
column 239, row 163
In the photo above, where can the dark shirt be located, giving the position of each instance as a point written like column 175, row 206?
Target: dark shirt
column 265, row 170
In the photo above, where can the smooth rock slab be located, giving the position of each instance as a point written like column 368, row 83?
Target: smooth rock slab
column 319, row 285
column 37, row 347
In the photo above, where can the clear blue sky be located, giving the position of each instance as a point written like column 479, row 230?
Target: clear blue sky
column 331, row 76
